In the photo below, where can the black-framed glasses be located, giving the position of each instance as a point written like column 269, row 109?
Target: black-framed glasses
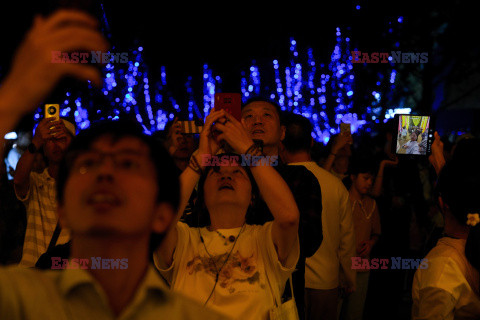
column 125, row 161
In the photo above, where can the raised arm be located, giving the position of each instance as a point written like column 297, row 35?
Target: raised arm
column 273, row 189
column 188, row 180
column 46, row 129
column 32, row 75
column 340, row 142
column 377, row 186
column 436, row 158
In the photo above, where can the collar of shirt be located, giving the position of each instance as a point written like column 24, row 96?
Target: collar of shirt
column 70, row 279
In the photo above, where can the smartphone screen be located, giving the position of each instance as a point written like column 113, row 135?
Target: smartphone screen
column 414, row 135
column 231, row 102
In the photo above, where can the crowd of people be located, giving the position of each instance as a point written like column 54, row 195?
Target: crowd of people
column 133, row 226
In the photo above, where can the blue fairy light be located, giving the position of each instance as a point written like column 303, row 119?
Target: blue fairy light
column 300, row 84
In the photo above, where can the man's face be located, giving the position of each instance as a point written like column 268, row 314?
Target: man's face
column 262, row 122
column 185, row 146
column 112, row 189
column 55, row 147
column 228, row 185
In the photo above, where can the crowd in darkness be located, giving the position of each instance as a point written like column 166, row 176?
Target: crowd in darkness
column 108, row 222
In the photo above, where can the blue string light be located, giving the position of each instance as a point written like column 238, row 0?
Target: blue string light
column 322, row 92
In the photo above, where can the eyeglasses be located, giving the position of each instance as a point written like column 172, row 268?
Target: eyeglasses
column 124, row 161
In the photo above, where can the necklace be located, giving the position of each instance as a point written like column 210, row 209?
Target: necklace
column 227, row 240
column 361, row 205
column 217, row 271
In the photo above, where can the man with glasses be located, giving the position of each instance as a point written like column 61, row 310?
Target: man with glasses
column 117, row 193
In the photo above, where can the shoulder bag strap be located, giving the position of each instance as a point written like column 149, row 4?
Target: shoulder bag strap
column 55, row 235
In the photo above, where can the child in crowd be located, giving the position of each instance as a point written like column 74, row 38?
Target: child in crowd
column 366, row 221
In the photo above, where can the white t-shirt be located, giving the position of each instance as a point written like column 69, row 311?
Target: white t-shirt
column 242, row 290
column 338, row 245
column 446, row 289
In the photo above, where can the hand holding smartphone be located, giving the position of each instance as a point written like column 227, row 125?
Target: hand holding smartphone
column 413, row 135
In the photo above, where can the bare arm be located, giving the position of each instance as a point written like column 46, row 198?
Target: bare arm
column 436, row 158
column 47, row 128
column 279, row 199
column 188, row 180
column 273, row 189
column 377, row 186
column 340, row 142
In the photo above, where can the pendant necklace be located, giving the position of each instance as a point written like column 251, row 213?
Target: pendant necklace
column 226, row 240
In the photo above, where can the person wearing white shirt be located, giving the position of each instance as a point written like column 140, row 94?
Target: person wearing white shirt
column 334, row 257
column 450, row 287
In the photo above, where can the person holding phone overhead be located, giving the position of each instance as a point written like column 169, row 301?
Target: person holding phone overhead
column 227, row 262
column 37, row 190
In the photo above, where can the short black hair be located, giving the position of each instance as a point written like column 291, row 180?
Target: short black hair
column 459, row 186
column 298, row 133
column 267, row 100
column 200, row 216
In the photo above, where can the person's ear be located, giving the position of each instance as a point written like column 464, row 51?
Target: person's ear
column 164, row 217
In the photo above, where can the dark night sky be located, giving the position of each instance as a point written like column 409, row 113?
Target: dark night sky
column 228, row 36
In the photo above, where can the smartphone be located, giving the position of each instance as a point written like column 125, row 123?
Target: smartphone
column 191, row 126
column 413, row 135
column 231, row 102
column 345, row 128
column 52, row 111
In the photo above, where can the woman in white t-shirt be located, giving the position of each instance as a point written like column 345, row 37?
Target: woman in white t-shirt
column 227, row 263
column 449, row 287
